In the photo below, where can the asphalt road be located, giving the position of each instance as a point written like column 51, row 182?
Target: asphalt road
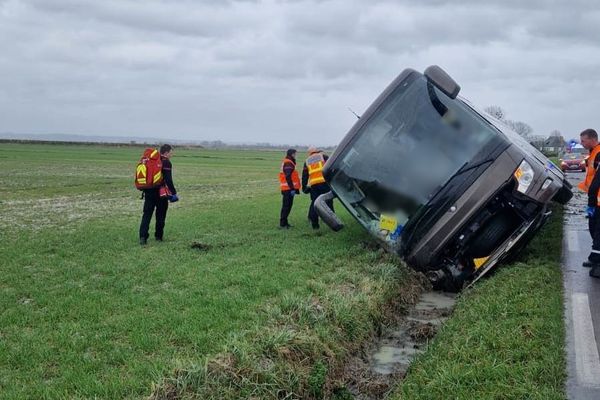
column 582, row 302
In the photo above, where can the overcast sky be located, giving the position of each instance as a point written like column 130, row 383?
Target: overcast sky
column 285, row 71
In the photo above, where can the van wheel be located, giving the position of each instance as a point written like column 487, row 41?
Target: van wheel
column 495, row 231
column 563, row 195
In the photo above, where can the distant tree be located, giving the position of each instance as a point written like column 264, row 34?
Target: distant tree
column 520, row 127
column 555, row 132
column 496, row 111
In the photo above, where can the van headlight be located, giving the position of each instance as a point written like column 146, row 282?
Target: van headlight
column 524, row 175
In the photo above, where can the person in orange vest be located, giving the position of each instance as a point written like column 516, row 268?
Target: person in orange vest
column 289, row 183
column 313, row 182
column 591, row 185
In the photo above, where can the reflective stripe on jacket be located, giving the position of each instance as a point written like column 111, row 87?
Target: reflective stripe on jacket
column 590, row 172
column 283, row 184
column 315, row 163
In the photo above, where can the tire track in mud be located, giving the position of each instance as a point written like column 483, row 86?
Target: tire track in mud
column 385, row 361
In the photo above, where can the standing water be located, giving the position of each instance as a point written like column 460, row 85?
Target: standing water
column 370, row 376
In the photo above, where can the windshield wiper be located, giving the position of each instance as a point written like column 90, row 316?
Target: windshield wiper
column 466, row 167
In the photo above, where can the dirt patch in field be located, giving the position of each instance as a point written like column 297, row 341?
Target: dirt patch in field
column 369, row 245
column 200, row 246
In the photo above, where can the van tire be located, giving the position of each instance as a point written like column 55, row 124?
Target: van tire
column 495, row 231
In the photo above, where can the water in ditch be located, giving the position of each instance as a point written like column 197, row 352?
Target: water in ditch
column 371, row 375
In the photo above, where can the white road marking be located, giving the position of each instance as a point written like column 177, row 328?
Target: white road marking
column 586, row 352
column 573, row 241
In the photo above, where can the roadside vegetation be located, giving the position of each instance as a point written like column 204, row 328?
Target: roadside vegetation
column 229, row 306
column 505, row 339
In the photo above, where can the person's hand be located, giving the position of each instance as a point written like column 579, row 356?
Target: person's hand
column 173, row 198
column 293, row 193
column 589, row 211
column 306, row 190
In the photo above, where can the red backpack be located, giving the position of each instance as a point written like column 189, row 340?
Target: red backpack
column 148, row 173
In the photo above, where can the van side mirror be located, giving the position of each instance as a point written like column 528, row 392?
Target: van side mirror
column 442, row 81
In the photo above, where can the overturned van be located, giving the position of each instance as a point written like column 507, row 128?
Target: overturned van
column 448, row 188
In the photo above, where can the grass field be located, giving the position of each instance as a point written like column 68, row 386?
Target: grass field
column 85, row 312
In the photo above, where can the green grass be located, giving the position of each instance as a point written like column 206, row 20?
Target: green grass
column 505, row 339
column 85, row 312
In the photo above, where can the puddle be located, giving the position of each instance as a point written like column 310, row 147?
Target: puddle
column 574, row 215
column 370, row 376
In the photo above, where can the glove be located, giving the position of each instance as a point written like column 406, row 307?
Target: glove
column 589, row 211
column 293, row 193
column 173, row 198
column 306, row 190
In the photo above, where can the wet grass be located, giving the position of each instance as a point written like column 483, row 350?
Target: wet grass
column 505, row 339
column 229, row 306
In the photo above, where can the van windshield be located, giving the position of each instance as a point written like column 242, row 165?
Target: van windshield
column 415, row 142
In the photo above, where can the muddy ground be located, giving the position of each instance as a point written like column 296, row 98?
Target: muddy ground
column 384, row 362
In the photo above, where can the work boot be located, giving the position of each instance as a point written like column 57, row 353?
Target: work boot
column 595, row 271
column 143, row 241
column 588, row 264
column 159, row 239
column 315, row 226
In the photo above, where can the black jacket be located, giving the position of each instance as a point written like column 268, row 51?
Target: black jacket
column 167, row 173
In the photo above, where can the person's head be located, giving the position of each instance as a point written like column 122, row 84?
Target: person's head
column 589, row 139
column 166, row 150
column 312, row 149
column 291, row 153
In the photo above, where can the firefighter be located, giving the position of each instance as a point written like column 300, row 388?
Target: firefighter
column 159, row 198
column 313, row 182
column 289, row 183
column 591, row 185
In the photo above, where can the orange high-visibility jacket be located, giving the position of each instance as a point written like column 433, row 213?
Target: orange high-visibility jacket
column 283, row 184
column 315, row 163
column 590, row 172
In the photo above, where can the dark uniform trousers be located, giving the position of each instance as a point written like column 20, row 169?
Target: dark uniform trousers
column 152, row 200
column 594, row 226
column 286, row 207
column 315, row 192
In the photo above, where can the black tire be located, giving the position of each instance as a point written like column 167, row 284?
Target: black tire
column 563, row 195
column 495, row 231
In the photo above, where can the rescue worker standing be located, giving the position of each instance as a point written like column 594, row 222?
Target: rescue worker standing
column 591, row 185
column 313, row 182
column 154, row 200
column 289, row 183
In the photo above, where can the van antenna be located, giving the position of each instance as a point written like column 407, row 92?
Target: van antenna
column 355, row 114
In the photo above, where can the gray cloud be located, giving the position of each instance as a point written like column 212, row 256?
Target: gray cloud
column 284, row 71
